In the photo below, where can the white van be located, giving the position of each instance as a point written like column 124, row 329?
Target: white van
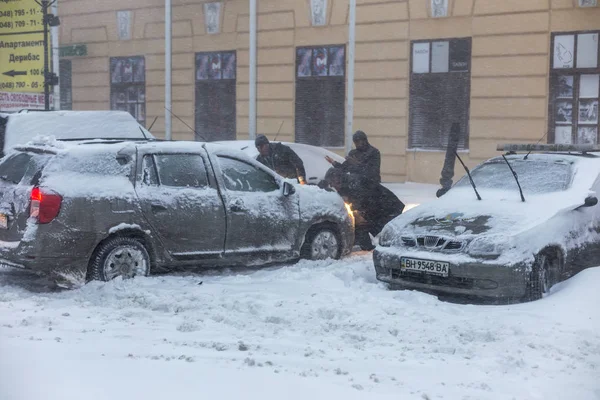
column 20, row 128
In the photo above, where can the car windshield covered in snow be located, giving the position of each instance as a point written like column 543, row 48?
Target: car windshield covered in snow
column 535, row 176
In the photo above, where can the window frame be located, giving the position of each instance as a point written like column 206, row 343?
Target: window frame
column 222, row 81
column 209, row 182
column 576, row 73
column 66, row 84
column 276, row 180
column 123, row 87
column 468, row 74
column 321, row 78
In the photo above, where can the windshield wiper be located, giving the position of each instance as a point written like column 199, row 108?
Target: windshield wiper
column 516, row 177
column 469, row 174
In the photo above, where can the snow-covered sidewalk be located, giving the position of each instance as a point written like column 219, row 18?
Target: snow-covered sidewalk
column 322, row 330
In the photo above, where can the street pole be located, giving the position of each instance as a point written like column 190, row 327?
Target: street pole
column 168, row 60
column 252, row 71
column 350, row 94
column 55, row 59
column 46, row 64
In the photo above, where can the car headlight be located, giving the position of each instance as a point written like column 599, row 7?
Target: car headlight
column 486, row 246
column 385, row 237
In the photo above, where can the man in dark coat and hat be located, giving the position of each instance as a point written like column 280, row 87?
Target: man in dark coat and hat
column 280, row 158
column 365, row 160
column 375, row 204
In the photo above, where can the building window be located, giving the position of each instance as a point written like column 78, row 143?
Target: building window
column 215, row 96
column 440, row 88
column 128, row 86
column 574, row 88
column 66, row 92
column 320, row 95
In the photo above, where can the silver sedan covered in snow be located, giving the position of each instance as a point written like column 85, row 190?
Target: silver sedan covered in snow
column 98, row 210
column 506, row 245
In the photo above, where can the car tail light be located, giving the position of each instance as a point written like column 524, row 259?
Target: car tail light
column 45, row 205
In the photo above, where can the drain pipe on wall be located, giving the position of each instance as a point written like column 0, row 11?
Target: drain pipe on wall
column 55, row 59
column 350, row 94
column 168, row 106
column 252, row 71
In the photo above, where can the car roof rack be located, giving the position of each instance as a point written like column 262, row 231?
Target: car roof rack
column 549, row 148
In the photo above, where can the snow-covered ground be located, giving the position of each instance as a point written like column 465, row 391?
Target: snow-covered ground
column 319, row 330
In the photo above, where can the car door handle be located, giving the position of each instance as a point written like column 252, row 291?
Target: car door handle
column 237, row 206
column 158, row 208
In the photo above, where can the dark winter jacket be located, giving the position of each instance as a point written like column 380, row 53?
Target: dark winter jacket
column 375, row 203
column 284, row 161
column 368, row 163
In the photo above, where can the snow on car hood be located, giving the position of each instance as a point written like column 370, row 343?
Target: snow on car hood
column 459, row 213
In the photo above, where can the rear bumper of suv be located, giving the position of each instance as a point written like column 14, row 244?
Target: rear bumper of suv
column 470, row 279
column 70, row 252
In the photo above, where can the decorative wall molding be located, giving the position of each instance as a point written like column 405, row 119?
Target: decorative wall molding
column 124, row 24
column 439, row 8
column 212, row 17
column 318, row 12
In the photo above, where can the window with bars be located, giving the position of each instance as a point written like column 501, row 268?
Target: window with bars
column 215, row 113
column 440, row 88
column 320, row 95
column 128, row 86
column 574, row 88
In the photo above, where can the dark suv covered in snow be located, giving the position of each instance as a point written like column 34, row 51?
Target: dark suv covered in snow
column 101, row 209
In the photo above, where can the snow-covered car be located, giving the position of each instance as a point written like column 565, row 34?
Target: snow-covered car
column 510, row 244
column 20, row 128
column 313, row 157
column 97, row 210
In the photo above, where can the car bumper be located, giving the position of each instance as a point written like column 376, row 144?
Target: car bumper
column 474, row 278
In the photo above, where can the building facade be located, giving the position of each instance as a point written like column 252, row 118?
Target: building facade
column 506, row 71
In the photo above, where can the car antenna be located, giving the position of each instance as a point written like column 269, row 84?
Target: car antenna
column 516, row 178
column 152, row 124
column 143, row 133
column 538, row 142
column 183, row 122
column 279, row 130
column 469, row 174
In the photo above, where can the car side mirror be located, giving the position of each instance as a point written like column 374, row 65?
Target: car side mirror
column 590, row 201
column 288, row 189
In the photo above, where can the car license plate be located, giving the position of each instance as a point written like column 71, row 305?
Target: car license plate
column 3, row 221
column 427, row 266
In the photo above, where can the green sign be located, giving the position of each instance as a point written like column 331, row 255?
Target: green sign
column 74, row 50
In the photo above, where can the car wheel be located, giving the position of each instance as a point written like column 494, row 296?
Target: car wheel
column 120, row 256
column 321, row 243
column 544, row 275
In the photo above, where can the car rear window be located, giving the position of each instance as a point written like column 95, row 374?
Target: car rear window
column 22, row 167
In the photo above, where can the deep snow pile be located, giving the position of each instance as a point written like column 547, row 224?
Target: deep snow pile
column 320, row 329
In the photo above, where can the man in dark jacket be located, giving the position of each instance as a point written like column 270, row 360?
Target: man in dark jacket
column 375, row 204
column 280, row 158
column 365, row 160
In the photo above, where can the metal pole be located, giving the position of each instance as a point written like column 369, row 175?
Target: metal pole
column 350, row 94
column 252, row 80
column 168, row 69
column 46, row 63
column 55, row 59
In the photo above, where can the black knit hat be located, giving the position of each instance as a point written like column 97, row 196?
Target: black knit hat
column 260, row 140
column 359, row 135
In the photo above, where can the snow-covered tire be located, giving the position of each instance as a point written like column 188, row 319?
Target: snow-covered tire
column 544, row 274
column 321, row 243
column 119, row 256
